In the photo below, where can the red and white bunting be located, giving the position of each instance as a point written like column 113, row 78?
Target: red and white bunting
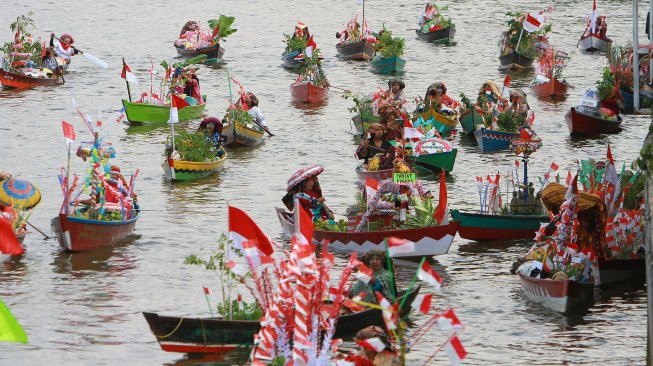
column 237, row 269
column 533, row 22
column 422, row 303
column 364, row 274
column 455, row 351
column 449, row 321
column 400, row 246
column 429, row 275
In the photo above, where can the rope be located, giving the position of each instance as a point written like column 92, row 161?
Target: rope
column 173, row 331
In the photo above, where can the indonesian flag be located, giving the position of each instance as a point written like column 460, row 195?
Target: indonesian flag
column 505, row 91
column 237, row 269
column 176, row 103
column 206, row 290
column 127, row 74
column 241, row 305
column 572, row 191
column 422, row 303
column 429, row 275
column 8, row 242
column 441, row 213
column 552, row 170
column 593, row 18
column 611, row 178
column 533, row 22
column 364, row 273
column 375, row 344
column 400, row 246
column 448, row 321
column 68, row 132
column 250, row 249
column 242, row 228
column 411, row 132
column 310, row 46
column 455, row 351
column 371, row 186
column 569, row 178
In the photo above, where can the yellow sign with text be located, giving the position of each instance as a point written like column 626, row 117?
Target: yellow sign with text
column 404, row 178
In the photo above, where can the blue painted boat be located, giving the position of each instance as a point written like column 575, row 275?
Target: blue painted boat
column 290, row 62
column 490, row 140
column 629, row 101
column 387, row 65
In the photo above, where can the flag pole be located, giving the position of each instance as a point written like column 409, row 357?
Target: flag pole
column 206, row 296
column 67, row 179
column 519, row 40
column 412, row 283
column 391, row 269
column 129, row 93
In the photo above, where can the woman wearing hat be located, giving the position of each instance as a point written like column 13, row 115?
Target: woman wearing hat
column 375, row 144
column 64, row 49
column 436, row 95
column 305, row 187
column 212, row 129
column 381, row 282
column 301, row 31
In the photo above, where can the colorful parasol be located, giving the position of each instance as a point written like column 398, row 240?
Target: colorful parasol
column 302, row 174
column 19, row 192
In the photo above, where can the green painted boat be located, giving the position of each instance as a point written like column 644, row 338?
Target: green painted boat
column 479, row 226
column 387, row 65
column 434, row 162
column 139, row 113
column 470, row 119
column 362, row 122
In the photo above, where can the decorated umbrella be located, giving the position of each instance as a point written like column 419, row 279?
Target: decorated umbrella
column 303, row 174
column 19, row 192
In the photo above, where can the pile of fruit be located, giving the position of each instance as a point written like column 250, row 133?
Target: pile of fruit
column 330, row 225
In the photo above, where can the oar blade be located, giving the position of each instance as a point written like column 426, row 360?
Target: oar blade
column 96, row 60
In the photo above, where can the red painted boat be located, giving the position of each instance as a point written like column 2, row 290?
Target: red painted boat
column 76, row 234
column 553, row 88
column 378, row 175
column 590, row 122
column 308, row 93
column 563, row 296
column 622, row 270
column 429, row 241
column 13, row 80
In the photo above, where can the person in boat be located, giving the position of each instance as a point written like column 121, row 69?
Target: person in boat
column 369, row 357
column 436, row 97
column 48, row 61
column 382, row 281
column 518, row 102
column 309, row 195
column 191, row 26
column 301, row 31
column 192, row 86
column 490, row 91
column 375, row 144
column 211, row 127
column 352, row 32
column 428, row 18
column 396, row 87
column 255, row 112
column 64, row 49
column 602, row 27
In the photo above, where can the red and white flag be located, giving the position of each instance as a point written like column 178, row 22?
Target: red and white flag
column 429, row 275
column 216, row 30
column 448, row 321
column 552, row 170
column 533, row 22
column 400, row 246
column 242, row 228
column 176, row 103
column 371, row 187
column 8, row 242
column 455, row 351
column 206, row 290
column 310, row 47
column 593, row 18
column 303, row 224
column 505, row 91
column 237, row 269
column 127, row 74
column 250, row 249
column 411, row 132
column 569, row 178
column 364, row 274
column 422, row 303
column 375, row 344
column 68, row 132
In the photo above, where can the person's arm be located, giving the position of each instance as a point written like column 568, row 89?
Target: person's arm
column 51, row 39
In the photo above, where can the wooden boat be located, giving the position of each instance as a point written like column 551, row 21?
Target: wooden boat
column 563, row 296
column 387, row 65
column 515, row 60
column 241, row 135
column 429, row 241
column 477, row 226
column 444, row 35
column 21, row 237
column 379, row 175
column 582, row 123
column 76, row 234
column 490, row 140
column 215, row 51
column 210, row 335
column 139, row 113
column 177, row 170
column 362, row 122
column 308, row 93
column 434, row 162
column 361, row 50
column 629, row 101
column 12, row 80
column 553, row 88
column 470, row 119
column 290, row 62
column 593, row 43
column 443, row 124
column 621, row 270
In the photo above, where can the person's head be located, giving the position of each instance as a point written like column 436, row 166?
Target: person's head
column 374, row 259
column 376, row 130
column 253, row 100
column 308, row 184
column 211, row 125
column 191, row 25
column 66, row 37
column 115, row 171
column 429, row 7
column 440, row 89
column 396, row 85
column 373, row 331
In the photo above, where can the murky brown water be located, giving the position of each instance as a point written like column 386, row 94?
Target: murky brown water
column 84, row 309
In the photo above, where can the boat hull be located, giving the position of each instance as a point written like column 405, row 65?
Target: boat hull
column 444, row 35
column 360, row 51
column 490, row 140
column 622, row 270
column 140, row 113
column 470, row 119
column 308, row 93
column 515, row 60
column 387, row 65
column 593, row 43
column 563, row 296
column 435, row 162
column 629, row 101
column 443, row 124
column 584, row 124
column 480, row 227
column 429, row 241
column 290, row 62
column 76, row 234
column 378, row 175
column 553, row 89
column 216, row 51
column 362, row 122
column 17, row 81
column 180, row 170
column 241, row 135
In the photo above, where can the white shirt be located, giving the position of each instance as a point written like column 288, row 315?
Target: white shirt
column 65, row 54
column 256, row 113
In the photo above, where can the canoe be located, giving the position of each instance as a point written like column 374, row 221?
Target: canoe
column 215, row 51
column 515, row 60
column 361, row 50
column 563, row 296
column 290, row 62
column 429, row 241
column 444, row 35
column 362, row 122
column 629, row 101
column 593, row 43
column 387, row 65
column 490, row 140
column 443, row 124
column 210, row 335
column 379, row 175
column 477, row 226
column 76, row 234
column 308, row 93
column 553, row 88
column 434, row 162
column 139, row 113
column 12, row 80
column 241, row 135
column 470, row 119
column 177, row 170
column 622, row 270
column 581, row 123
column 21, row 237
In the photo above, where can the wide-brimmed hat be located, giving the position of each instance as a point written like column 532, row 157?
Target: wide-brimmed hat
column 303, row 174
column 72, row 40
column 402, row 85
column 205, row 122
column 300, row 25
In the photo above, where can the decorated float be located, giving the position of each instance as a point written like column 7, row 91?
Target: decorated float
column 311, row 86
column 17, row 199
column 194, row 41
column 595, row 36
column 548, row 81
column 434, row 27
column 431, row 154
column 589, row 118
column 293, row 54
column 389, row 51
column 525, row 35
column 436, row 111
column 240, row 128
column 356, row 42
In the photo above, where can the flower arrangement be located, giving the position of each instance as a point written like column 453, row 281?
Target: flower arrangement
column 312, row 71
column 511, row 37
column 387, row 45
column 192, row 146
column 23, row 51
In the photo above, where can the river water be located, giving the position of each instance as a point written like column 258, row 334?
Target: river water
column 85, row 309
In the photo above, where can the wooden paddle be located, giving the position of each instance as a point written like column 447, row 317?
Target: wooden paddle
column 267, row 130
column 35, row 228
column 88, row 56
